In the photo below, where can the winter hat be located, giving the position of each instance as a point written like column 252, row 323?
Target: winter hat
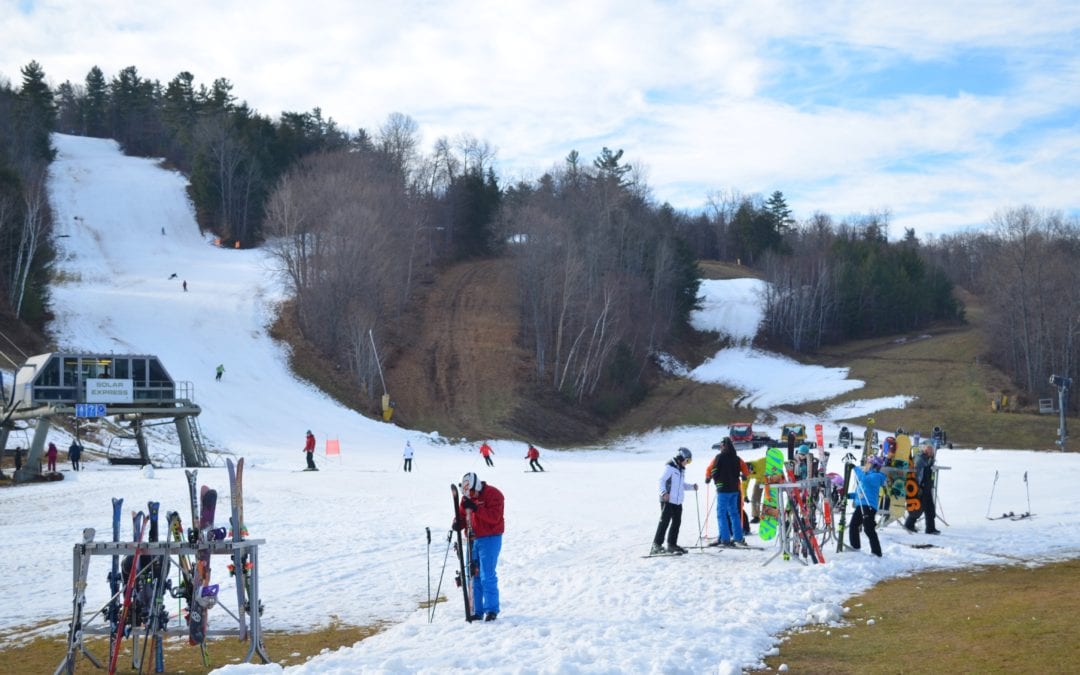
column 470, row 481
column 803, row 449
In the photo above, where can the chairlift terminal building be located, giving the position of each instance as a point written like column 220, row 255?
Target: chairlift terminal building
column 130, row 388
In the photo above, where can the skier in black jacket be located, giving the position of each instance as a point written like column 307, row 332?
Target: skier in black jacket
column 924, row 474
column 726, row 472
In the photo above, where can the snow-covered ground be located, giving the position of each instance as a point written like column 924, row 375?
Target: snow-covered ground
column 348, row 542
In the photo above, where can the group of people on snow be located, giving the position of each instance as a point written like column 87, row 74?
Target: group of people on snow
column 729, row 473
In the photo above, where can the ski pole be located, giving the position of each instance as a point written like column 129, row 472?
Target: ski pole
column 428, row 530
column 438, row 589
column 1027, row 489
column 991, row 502
column 708, row 511
column 697, row 507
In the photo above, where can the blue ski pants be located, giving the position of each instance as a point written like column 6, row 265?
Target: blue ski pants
column 485, row 585
column 729, row 516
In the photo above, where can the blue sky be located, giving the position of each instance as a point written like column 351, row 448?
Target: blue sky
column 939, row 113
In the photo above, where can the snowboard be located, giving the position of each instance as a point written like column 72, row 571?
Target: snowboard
column 774, row 473
column 903, row 447
column 896, row 488
column 912, row 491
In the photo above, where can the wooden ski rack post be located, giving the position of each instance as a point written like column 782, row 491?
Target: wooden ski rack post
column 152, row 551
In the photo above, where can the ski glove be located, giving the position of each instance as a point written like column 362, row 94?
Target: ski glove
column 468, row 504
column 457, row 525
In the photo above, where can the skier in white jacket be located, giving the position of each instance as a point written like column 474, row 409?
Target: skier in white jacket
column 673, row 487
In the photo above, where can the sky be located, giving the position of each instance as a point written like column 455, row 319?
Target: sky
column 937, row 114
column 348, row 543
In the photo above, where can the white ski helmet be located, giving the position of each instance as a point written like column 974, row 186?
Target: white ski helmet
column 470, row 481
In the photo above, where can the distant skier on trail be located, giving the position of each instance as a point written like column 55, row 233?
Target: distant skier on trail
column 74, row 454
column 481, row 512
column 408, row 455
column 51, row 455
column 486, row 452
column 220, row 370
column 309, row 450
column 673, row 487
column 533, row 455
column 867, row 488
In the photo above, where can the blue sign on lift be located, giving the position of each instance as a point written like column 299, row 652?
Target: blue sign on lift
column 89, row 410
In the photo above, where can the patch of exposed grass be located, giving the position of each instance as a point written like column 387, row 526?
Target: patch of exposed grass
column 715, row 269
column 983, row 620
column 43, row 655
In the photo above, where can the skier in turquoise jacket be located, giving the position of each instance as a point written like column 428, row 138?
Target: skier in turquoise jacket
column 868, row 485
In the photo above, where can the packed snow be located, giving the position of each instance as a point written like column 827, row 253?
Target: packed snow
column 347, row 543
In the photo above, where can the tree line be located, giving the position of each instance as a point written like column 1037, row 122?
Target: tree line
column 607, row 277
column 1024, row 268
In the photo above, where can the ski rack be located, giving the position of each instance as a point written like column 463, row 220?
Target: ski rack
column 153, row 550
column 784, row 536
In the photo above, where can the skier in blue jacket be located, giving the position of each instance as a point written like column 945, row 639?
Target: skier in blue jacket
column 868, row 485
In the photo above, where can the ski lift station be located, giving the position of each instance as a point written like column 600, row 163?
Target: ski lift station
column 124, row 389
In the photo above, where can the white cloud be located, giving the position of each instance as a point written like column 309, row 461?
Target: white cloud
column 695, row 90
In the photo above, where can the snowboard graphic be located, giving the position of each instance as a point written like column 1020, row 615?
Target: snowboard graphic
column 774, row 473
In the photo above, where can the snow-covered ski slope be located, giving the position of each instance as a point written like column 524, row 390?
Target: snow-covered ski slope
column 348, row 542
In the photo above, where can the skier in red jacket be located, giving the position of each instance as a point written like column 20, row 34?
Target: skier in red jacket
column 486, row 452
column 533, row 455
column 481, row 510
column 309, row 450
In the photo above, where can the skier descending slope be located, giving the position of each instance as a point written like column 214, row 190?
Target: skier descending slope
column 481, row 511
column 672, row 488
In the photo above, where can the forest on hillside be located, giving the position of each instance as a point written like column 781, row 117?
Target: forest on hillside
column 607, row 275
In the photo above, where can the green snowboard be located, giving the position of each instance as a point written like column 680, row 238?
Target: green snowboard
column 774, row 473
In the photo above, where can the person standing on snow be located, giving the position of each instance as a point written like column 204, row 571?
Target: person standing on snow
column 533, row 455
column 726, row 470
column 673, row 486
column 408, row 455
column 309, row 449
column 220, row 370
column 805, row 465
column 481, row 511
column 924, row 475
column 51, row 455
column 74, row 453
column 868, row 485
column 486, row 452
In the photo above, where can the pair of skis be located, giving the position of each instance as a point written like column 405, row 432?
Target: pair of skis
column 203, row 594
column 240, row 566
column 152, row 612
column 1010, row 515
column 121, row 626
column 463, row 579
